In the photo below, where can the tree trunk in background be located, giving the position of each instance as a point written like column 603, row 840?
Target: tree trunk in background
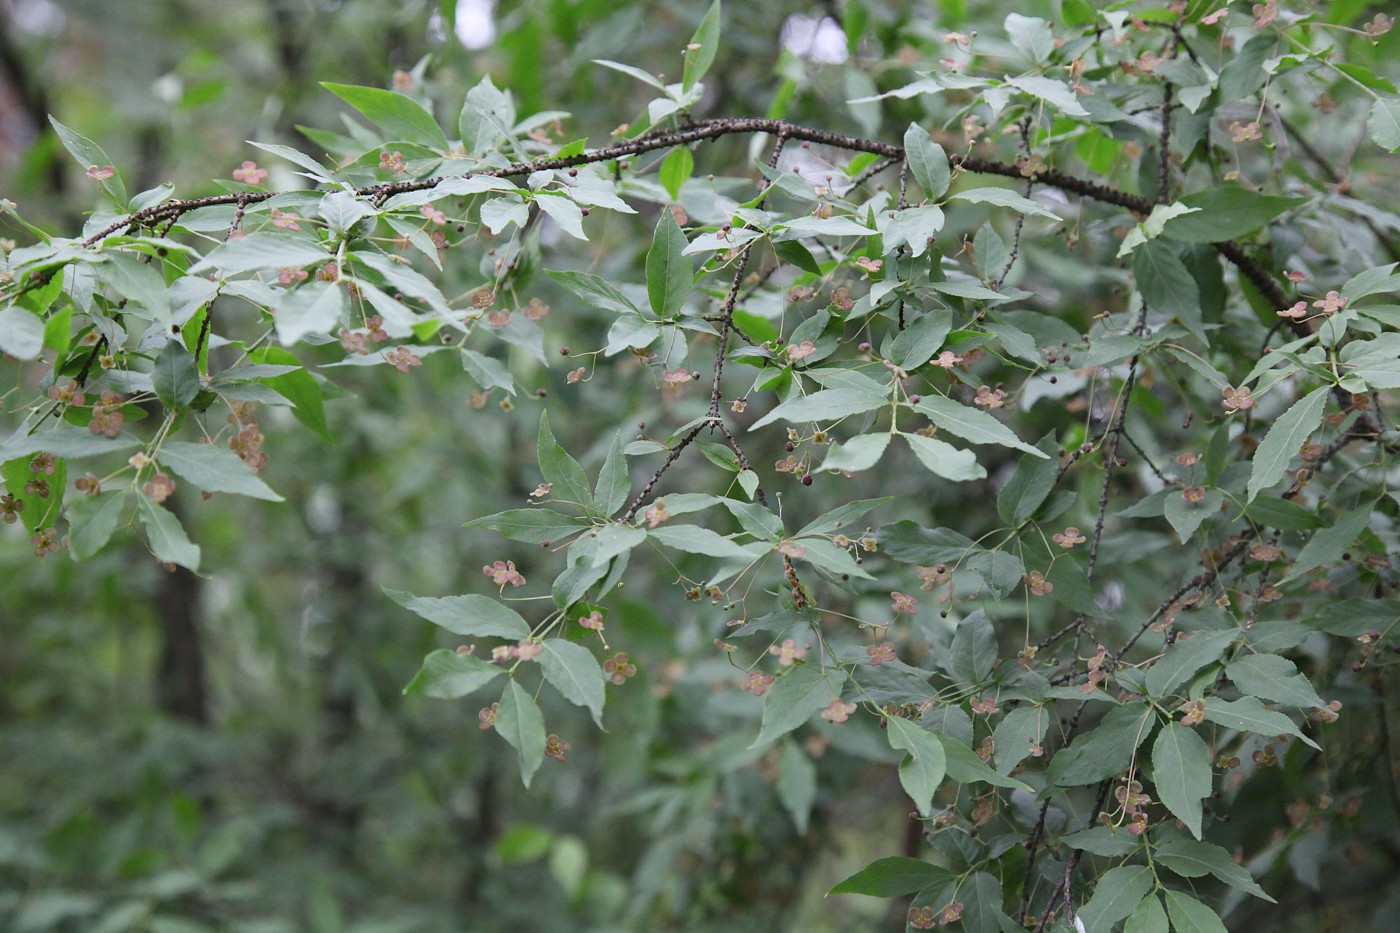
column 180, row 685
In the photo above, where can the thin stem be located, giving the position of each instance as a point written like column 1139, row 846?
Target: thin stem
column 671, row 458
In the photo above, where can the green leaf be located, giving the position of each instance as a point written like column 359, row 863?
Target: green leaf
column 1361, row 73
column 819, row 552
column 89, row 154
column 394, row 313
column 1285, row 439
column 670, row 275
column 92, row 520
column 563, row 212
column 38, row 510
column 1103, row 840
column 560, row 470
column 296, row 157
column 945, row 460
column 991, row 254
column 982, row 899
column 841, row 515
column 1106, row 750
column 1071, row 587
column 214, row 469
column 794, row 253
column 824, row 405
column 614, row 482
column 1031, row 35
column 796, row 784
column 757, row 520
column 1167, row 286
column 720, row 455
column 21, row 333
column 1375, row 362
column 913, row 226
column 486, row 118
column 1186, row 517
column 971, row 424
column 675, row 170
column 573, row 671
column 174, row 377
column 700, row 51
column 1028, row 487
column 1184, row 658
column 1015, row 735
column 341, row 210
column 582, row 573
column 403, row 278
column 1001, row 570
column 748, row 481
column 400, row 117
column 1384, row 123
column 1055, row 93
column 612, row 540
column 1277, row 635
column 470, row 615
column 487, row 371
column 911, row 544
column 448, row 675
column 794, row 697
column 1147, row 917
column 857, row 454
column 499, row 213
column 1189, row 915
column 1354, row 617
column 854, row 17
column 1191, row 858
column 531, row 525
column 892, row 877
column 1225, row 213
column 255, row 251
column 1181, row 773
column 167, row 537
column 809, row 226
column 630, row 331
column 974, row 650
column 1327, row 545
column 1116, row 895
column 141, row 284
column 924, row 765
column 965, row 767
column 927, row 161
column 1275, row 678
column 1249, row 715
column 1283, row 514
column 519, row 721
column 1005, row 197
column 914, row 89
column 716, row 241
column 1377, row 280
column 472, row 184
column 594, row 291
column 313, row 308
column 694, row 539
column 299, row 387
column 631, row 72
column 65, row 442
column 1244, row 73
column 913, row 346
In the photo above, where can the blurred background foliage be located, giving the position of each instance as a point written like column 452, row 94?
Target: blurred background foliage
column 232, row 751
